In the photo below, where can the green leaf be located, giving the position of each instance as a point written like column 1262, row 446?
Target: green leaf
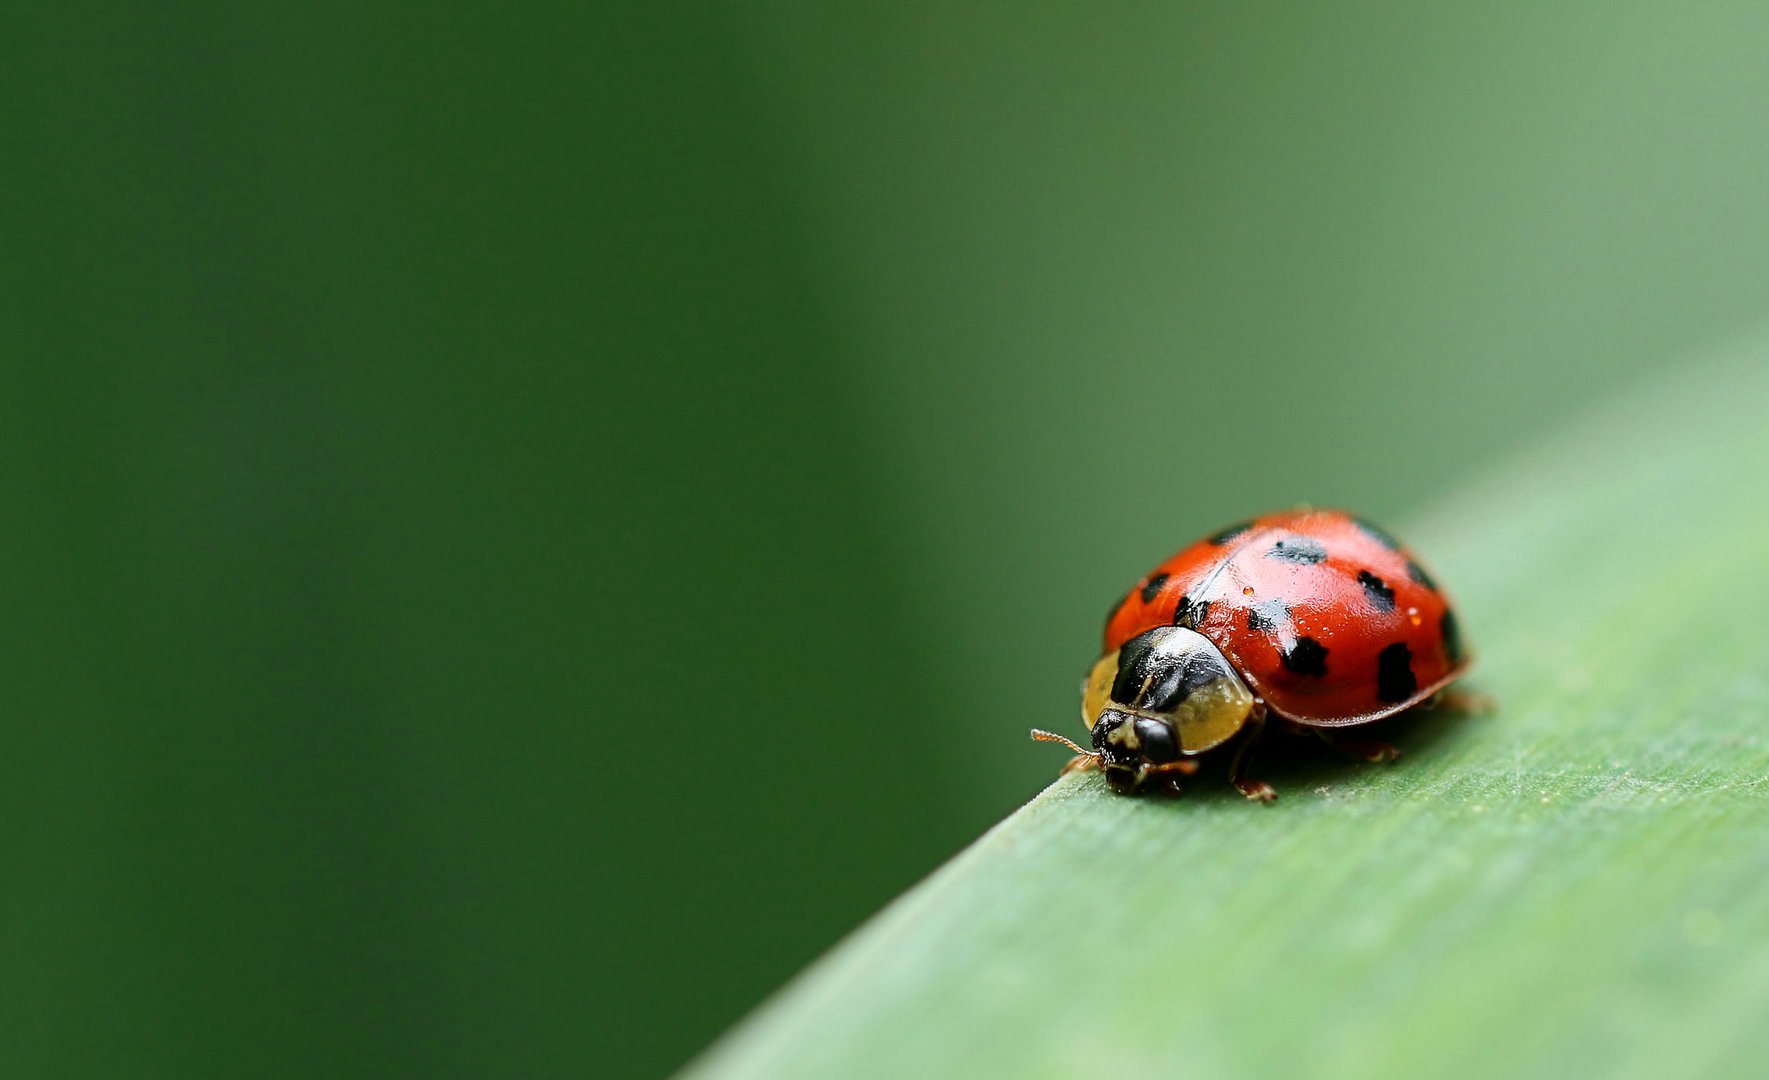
column 1574, row 884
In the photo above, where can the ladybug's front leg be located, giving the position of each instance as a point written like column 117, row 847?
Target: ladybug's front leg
column 1164, row 778
column 1256, row 790
column 1080, row 763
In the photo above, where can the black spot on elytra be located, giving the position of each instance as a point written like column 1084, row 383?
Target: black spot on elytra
column 1152, row 588
column 1306, row 657
column 1395, row 680
column 1381, row 597
column 1228, row 534
column 1376, row 533
column 1418, row 574
column 1190, row 612
column 1298, row 549
column 1267, row 616
column 1452, row 638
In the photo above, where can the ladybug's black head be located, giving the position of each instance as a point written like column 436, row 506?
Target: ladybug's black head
column 1127, row 744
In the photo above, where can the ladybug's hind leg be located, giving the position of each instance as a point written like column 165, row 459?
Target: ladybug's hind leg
column 1370, row 750
column 1255, row 790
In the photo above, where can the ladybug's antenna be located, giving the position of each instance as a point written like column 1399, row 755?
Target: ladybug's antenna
column 1040, row 735
column 1083, row 759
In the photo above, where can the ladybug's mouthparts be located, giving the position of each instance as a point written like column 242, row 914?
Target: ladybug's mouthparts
column 1121, row 778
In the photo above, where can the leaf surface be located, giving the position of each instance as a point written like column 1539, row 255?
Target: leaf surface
column 1576, row 883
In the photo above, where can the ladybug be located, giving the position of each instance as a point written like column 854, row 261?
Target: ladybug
column 1315, row 617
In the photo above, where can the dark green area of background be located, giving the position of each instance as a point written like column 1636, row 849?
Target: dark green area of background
column 520, row 525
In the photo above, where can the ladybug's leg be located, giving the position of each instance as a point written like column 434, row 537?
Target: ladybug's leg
column 1164, row 778
column 1256, row 790
column 1376, row 753
column 1182, row 767
column 1080, row 763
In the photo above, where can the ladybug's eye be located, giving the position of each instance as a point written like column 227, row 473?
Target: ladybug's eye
column 1158, row 743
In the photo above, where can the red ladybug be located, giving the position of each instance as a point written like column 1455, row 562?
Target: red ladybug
column 1316, row 617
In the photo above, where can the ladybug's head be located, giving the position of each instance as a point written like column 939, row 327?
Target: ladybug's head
column 1166, row 695
column 1135, row 750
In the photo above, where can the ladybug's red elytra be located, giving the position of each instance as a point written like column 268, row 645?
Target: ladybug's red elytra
column 1315, row 617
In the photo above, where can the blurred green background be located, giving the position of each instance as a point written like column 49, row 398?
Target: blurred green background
column 521, row 525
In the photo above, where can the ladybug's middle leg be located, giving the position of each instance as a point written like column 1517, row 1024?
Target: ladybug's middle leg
column 1256, row 790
